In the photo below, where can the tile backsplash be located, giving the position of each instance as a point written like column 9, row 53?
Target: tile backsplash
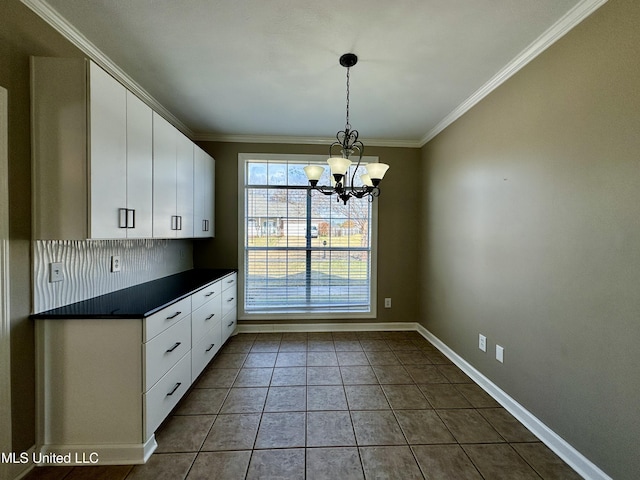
column 86, row 267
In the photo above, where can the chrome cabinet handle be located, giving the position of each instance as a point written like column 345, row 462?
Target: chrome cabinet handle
column 209, row 294
column 231, row 323
column 231, row 299
column 174, row 347
column 126, row 218
column 174, row 316
column 176, row 222
column 122, row 217
column 210, row 317
column 209, row 349
column 174, row 389
column 131, row 218
column 230, row 281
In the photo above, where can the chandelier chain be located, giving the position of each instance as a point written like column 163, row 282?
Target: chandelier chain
column 347, row 124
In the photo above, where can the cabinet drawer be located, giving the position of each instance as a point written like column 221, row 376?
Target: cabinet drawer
column 229, row 324
column 229, row 301
column 166, row 317
column 164, row 350
column 204, row 350
column 229, row 281
column 206, row 294
column 161, row 399
column 204, row 318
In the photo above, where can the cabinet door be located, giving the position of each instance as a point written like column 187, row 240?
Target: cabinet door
column 108, row 158
column 139, row 168
column 204, row 171
column 209, row 197
column 164, row 178
column 184, row 185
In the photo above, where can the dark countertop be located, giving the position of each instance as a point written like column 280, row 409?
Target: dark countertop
column 140, row 300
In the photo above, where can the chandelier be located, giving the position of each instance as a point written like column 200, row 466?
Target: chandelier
column 348, row 143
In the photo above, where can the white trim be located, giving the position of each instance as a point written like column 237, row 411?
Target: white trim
column 324, row 327
column 373, row 277
column 572, row 18
column 557, row 444
column 71, row 33
column 104, row 454
column 5, row 313
column 293, row 140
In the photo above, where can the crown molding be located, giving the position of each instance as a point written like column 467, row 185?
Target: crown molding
column 212, row 137
column 572, row 18
column 68, row 31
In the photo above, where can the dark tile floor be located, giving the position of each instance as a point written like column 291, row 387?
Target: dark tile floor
column 348, row 405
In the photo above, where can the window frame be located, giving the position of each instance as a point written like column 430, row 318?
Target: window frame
column 243, row 158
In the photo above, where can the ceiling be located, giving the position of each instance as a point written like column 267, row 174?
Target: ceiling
column 255, row 69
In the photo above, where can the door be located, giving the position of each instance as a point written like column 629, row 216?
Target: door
column 203, row 193
column 164, row 178
column 184, row 186
column 108, row 154
column 139, row 168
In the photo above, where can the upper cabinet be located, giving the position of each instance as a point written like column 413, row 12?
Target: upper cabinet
column 203, row 188
column 107, row 155
column 172, row 181
column 92, row 157
column 105, row 166
column 139, row 168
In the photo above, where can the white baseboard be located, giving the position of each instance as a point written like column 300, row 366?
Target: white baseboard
column 83, row 455
column 325, row 327
column 564, row 450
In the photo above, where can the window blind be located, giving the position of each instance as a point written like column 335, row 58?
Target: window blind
column 304, row 252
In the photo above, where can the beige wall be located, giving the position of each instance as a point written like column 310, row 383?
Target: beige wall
column 523, row 216
column 398, row 218
column 22, row 34
column 531, row 236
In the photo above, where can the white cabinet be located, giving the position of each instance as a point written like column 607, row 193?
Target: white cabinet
column 107, row 132
column 205, row 327
column 203, row 193
column 164, row 178
column 105, row 385
column 89, row 134
column 138, row 221
column 184, row 186
column 172, row 181
column 229, row 306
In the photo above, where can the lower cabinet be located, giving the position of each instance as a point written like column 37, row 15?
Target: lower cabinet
column 105, row 385
column 204, row 350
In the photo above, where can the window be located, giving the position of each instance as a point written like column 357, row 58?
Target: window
column 302, row 255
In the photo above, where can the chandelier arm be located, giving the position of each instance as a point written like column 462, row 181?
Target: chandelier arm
column 357, row 145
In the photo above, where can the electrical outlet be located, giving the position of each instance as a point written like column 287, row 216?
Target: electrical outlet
column 387, row 303
column 500, row 353
column 55, row 272
column 115, row 263
column 482, row 343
